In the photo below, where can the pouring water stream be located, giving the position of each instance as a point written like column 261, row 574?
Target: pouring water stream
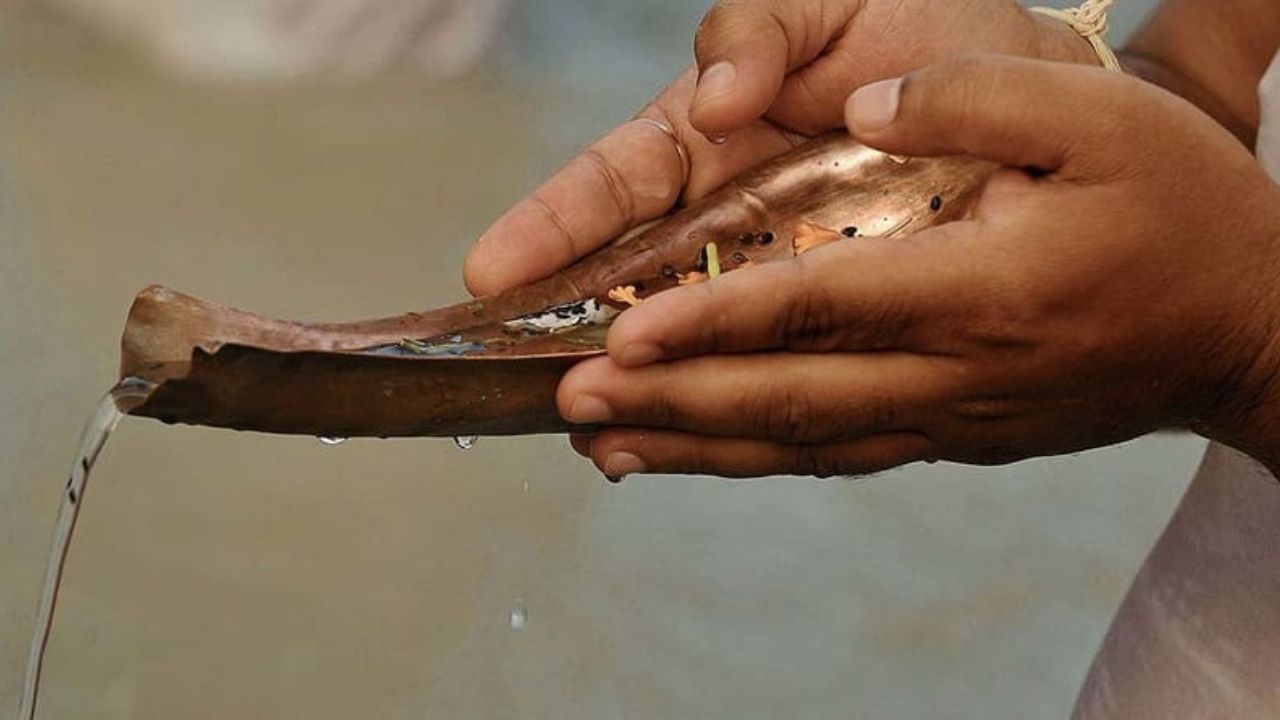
column 115, row 404
column 119, row 400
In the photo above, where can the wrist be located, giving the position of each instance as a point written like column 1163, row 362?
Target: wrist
column 1059, row 42
column 1248, row 418
column 1251, row 423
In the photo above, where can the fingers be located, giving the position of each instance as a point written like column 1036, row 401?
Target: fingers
column 633, row 174
column 584, row 205
column 868, row 294
column 624, row 451
column 1018, row 112
column 781, row 397
column 746, row 48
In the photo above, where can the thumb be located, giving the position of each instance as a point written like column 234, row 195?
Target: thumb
column 1014, row 111
column 746, row 48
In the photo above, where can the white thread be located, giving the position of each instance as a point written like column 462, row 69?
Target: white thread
column 1090, row 22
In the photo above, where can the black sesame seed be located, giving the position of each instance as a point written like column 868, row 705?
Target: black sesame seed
column 936, row 203
column 746, row 238
column 850, row 231
column 766, row 237
column 639, row 287
column 668, row 272
column 739, row 257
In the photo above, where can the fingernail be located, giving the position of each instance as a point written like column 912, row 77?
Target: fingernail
column 874, row 107
column 587, row 410
column 638, row 353
column 716, row 81
column 621, row 464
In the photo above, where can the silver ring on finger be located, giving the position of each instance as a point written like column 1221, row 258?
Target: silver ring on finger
column 686, row 166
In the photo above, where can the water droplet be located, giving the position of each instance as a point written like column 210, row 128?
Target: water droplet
column 465, row 442
column 525, row 487
column 331, row 440
column 519, row 616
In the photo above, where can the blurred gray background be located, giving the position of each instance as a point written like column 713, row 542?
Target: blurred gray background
column 221, row 575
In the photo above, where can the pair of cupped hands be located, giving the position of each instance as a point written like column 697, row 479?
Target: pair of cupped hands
column 1121, row 272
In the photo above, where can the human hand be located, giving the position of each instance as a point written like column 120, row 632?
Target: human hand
column 793, row 64
column 1125, row 282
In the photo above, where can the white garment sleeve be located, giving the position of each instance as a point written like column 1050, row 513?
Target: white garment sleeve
column 1268, row 149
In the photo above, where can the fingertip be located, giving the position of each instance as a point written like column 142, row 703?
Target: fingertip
column 620, row 464
column 732, row 95
column 576, row 396
column 523, row 245
column 495, row 263
column 632, row 341
column 713, row 110
column 715, row 83
column 616, row 453
column 477, row 271
column 873, row 108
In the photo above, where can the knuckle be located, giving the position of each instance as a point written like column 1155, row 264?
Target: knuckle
column 663, row 407
column 808, row 317
column 882, row 414
column 998, row 332
column 1005, row 316
column 708, row 38
column 697, row 460
column 880, row 322
column 612, row 179
column 780, row 413
column 814, row 461
column 554, row 219
column 718, row 329
column 731, row 23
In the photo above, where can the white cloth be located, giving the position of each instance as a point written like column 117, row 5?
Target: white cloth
column 1269, row 132
column 282, row 39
